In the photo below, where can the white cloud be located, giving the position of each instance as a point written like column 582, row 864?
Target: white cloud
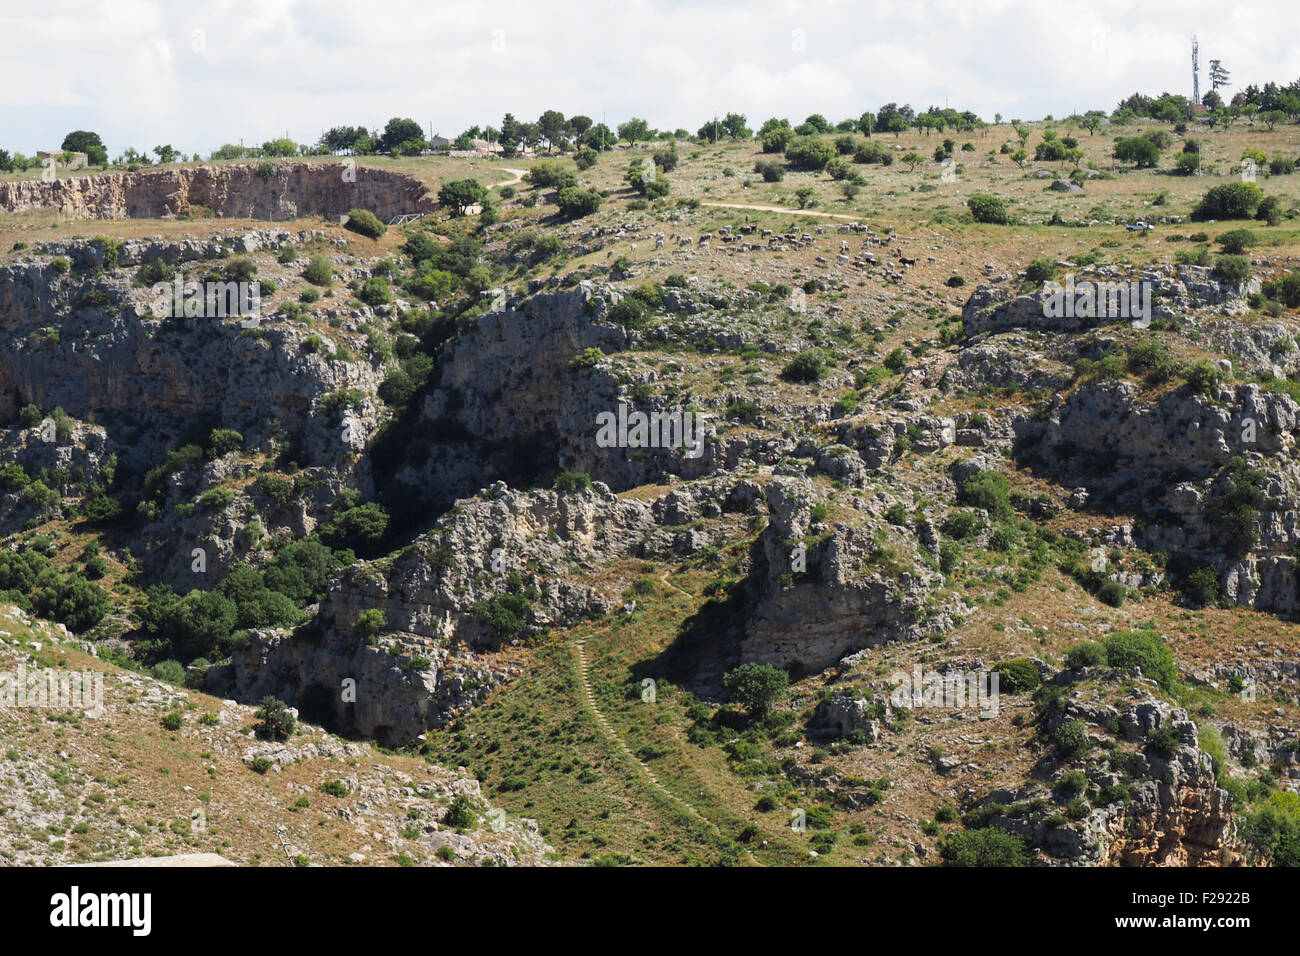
column 196, row 75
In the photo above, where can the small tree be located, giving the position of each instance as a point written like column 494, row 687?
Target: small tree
column 275, row 722
column 459, row 194
column 756, row 687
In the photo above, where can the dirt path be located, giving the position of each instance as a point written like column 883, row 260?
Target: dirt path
column 793, row 212
column 613, row 735
column 518, row 173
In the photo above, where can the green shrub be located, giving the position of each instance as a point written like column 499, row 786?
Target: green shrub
column 755, row 686
column 1112, row 593
column 985, row 847
column 1017, row 676
column 366, row 223
column 569, row 481
column 1072, row 783
column 335, row 788
column 1236, row 241
column 1087, row 654
column 1145, row 650
column 318, row 271
column 172, row 721
column 1070, row 739
column 1229, row 201
column 460, row 814
column 1232, row 269
column 274, row 721
column 808, row 366
column 988, row 209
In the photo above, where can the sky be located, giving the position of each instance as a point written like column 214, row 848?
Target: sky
column 195, row 75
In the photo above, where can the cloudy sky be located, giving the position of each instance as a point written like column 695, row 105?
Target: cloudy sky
column 199, row 74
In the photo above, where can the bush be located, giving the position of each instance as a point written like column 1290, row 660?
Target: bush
column 375, row 291
column 1139, row 150
column 171, row 671
column 1229, row 201
column 1269, row 211
column 770, row 170
column 988, row 209
column 1087, row 654
column 370, row 623
column 1145, row 650
column 575, row 202
column 1236, row 241
column 989, row 490
column 755, row 686
column 1040, row 270
column 986, row 847
column 806, row 367
column 335, row 788
column 1112, row 593
column 567, row 481
column 1017, row 676
column 1070, row 739
column 1187, row 163
column 318, row 271
column 222, row 441
column 809, row 152
column 274, row 722
column 1072, row 783
column 1232, row 269
column 460, row 814
column 961, row 525
column 172, row 722
column 1202, row 377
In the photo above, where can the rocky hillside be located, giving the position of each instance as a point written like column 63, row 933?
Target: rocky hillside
column 398, row 486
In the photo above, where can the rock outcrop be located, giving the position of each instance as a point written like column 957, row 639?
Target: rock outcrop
column 270, row 190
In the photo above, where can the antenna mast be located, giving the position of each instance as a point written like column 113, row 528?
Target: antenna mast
column 1196, row 72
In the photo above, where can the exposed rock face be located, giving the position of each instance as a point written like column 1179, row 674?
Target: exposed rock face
column 1173, row 289
column 508, row 382
column 844, row 602
column 1175, row 814
column 1111, row 441
column 272, row 191
column 484, row 550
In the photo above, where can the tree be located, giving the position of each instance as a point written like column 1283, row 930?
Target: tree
column 85, row 141
column 274, row 722
column 1229, row 201
column 1272, row 118
column 578, row 126
column 575, row 202
column 1218, row 75
column 756, row 687
column 866, row 123
column 552, row 126
column 809, row 152
column 634, row 130
column 165, row 154
column 986, row 208
column 733, row 124
column 400, row 130
column 600, row 137
column 913, row 160
column 1019, row 157
column 1212, row 100
column 460, row 194
column 1139, row 150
